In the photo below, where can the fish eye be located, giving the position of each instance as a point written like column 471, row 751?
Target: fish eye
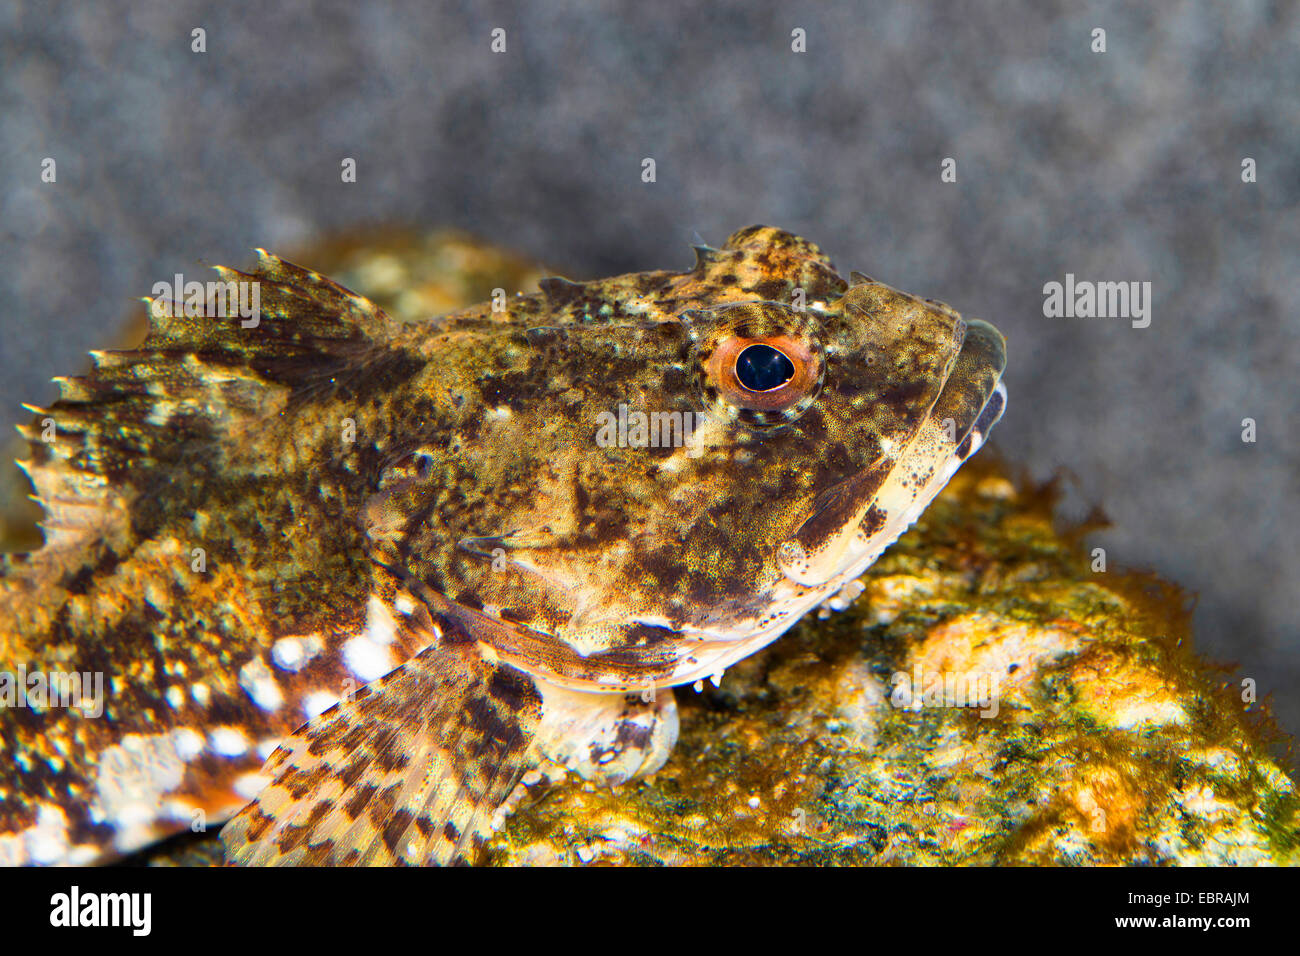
column 761, row 368
column 759, row 363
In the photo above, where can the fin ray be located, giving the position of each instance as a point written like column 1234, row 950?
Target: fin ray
column 410, row 771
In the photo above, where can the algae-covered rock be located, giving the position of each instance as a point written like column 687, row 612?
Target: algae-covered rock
column 991, row 697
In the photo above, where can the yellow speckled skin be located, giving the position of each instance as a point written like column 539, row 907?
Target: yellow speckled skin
column 246, row 523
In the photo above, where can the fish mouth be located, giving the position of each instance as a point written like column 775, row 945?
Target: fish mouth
column 852, row 523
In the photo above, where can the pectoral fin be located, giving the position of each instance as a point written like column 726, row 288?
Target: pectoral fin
column 410, row 771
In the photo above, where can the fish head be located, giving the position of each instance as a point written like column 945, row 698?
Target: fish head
column 669, row 469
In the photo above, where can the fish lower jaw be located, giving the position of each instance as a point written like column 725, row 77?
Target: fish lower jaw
column 716, row 649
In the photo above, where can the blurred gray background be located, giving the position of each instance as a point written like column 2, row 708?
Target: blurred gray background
column 1117, row 166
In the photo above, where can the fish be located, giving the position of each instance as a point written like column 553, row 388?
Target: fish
column 351, row 588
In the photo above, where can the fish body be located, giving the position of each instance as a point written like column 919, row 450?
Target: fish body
column 358, row 584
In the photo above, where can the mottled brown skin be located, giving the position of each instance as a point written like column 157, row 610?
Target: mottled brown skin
column 443, row 485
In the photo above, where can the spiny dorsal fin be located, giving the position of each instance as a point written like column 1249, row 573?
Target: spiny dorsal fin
column 198, row 381
column 300, row 314
column 411, row 771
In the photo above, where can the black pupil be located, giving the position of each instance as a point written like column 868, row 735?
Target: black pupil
column 762, row 368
